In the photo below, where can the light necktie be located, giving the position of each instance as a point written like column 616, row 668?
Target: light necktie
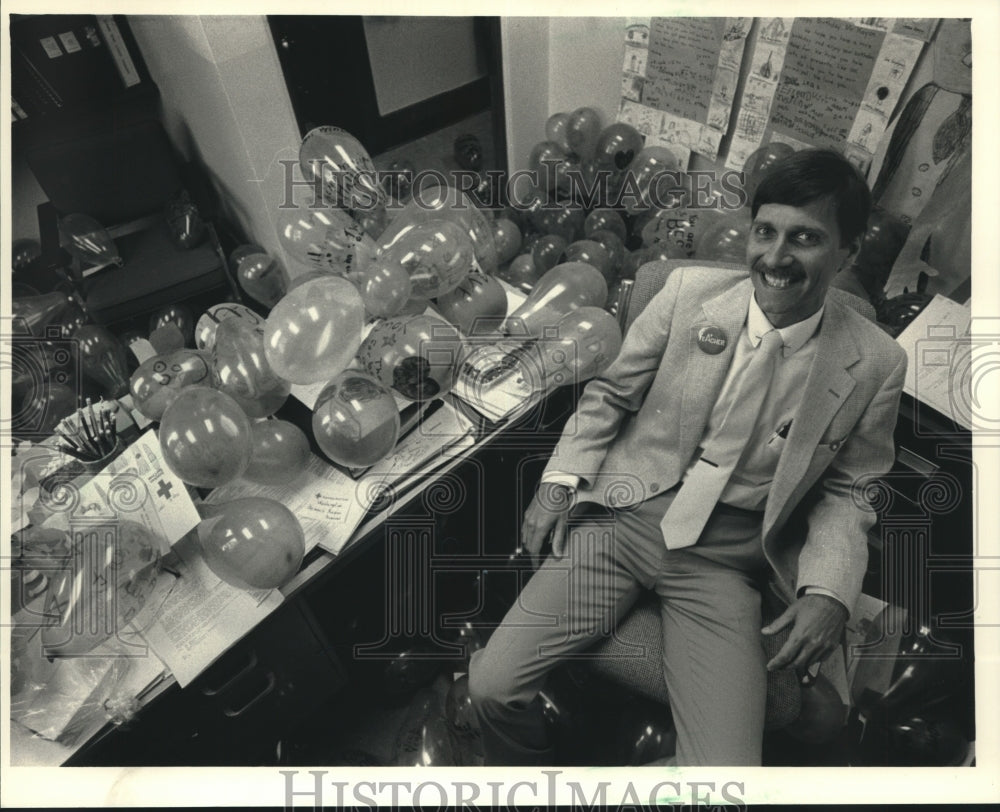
column 686, row 517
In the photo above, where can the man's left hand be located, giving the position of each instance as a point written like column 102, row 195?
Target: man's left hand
column 817, row 623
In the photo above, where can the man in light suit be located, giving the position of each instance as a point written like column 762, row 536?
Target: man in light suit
column 759, row 394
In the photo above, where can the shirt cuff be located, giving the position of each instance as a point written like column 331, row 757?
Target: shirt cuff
column 571, row 481
column 819, row 590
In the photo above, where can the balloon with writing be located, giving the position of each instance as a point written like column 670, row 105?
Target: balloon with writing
column 88, row 241
column 565, row 288
column 355, row 420
column 436, row 254
column 445, row 203
column 208, row 323
column 324, row 237
column 205, row 437
column 617, row 146
column 279, row 452
column 241, row 369
column 415, row 355
column 262, row 278
column 342, row 167
column 103, row 359
column 314, row 331
column 253, row 543
column 159, row 380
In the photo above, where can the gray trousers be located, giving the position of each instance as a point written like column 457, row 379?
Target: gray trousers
column 711, row 617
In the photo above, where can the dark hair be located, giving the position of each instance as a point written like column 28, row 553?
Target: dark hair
column 813, row 174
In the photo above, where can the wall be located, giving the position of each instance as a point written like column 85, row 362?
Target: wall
column 225, row 103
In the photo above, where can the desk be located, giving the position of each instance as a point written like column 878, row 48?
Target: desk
column 233, row 713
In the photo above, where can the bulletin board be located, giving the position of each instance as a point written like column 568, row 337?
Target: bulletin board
column 690, row 83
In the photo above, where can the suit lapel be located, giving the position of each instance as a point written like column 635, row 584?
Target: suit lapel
column 827, row 388
column 705, row 373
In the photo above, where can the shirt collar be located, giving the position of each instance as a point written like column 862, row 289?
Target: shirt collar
column 793, row 337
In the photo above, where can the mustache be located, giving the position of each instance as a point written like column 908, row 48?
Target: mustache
column 793, row 270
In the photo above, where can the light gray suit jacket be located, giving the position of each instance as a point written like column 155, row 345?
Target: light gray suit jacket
column 638, row 425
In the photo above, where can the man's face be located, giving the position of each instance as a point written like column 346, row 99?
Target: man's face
column 794, row 254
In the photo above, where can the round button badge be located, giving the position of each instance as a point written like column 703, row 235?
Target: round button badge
column 711, row 340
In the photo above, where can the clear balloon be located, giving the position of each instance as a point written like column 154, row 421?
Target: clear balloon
column 205, row 437
column 423, row 739
column 324, row 237
column 385, row 287
column 565, row 288
column 760, row 162
column 241, row 370
column 88, row 241
column 476, row 306
column 644, row 733
column 822, row 716
column 178, row 315
column 584, row 343
column 548, row 251
column 605, row 219
column 343, row 167
column 262, row 278
column 43, row 407
column 280, row 452
column 23, row 252
column 184, row 222
column 544, row 158
column 583, row 128
column 725, row 240
column 507, row 237
column 555, row 129
column 373, row 221
column 617, row 146
column 436, row 254
column 208, row 324
column 592, row 253
column 253, row 543
column 522, row 273
column 356, row 420
column 655, row 173
column 103, row 359
column 883, row 240
column 32, row 314
column 564, row 219
column 314, row 331
column 460, row 714
column 613, row 245
column 415, row 355
column 445, row 203
column 159, row 380
column 398, row 179
column 244, row 250
column 106, row 583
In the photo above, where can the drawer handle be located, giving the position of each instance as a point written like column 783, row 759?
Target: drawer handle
column 272, row 681
column 244, row 671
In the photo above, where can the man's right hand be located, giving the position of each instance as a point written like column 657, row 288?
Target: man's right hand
column 546, row 516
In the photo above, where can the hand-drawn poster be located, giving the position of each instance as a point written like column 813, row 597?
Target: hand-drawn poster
column 825, row 82
column 679, row 79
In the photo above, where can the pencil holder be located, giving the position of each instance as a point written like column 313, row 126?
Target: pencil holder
column 98, row 465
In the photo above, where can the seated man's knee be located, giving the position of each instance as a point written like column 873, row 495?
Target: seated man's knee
column 490, row 684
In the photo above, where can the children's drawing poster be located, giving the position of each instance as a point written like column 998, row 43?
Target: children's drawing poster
column 826, row 82
column 679, row 79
